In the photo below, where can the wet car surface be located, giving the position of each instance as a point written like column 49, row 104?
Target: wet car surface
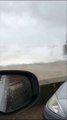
column 36, row 111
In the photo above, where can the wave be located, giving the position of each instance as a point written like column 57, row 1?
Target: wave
column 31, row 55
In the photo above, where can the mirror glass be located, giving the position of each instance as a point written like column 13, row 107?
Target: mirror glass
column 15, row 92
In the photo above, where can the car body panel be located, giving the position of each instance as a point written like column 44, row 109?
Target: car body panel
column 61, row 95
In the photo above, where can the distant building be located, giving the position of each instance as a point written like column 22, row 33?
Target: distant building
column 65, row 48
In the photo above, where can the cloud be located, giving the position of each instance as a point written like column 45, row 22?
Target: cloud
column 54, row 11
column 31, row 24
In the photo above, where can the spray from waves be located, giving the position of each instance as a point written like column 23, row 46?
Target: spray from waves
column 46, row 54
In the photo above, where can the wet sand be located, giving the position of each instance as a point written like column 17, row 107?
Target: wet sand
column 46, row 73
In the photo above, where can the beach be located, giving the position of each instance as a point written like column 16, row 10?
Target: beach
column 45, row 72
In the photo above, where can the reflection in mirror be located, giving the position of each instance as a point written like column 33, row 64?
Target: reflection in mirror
column 15, row 92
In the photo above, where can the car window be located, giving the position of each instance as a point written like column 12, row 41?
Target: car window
column 33, row 37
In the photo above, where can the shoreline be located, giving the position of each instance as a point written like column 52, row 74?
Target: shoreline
column 46, row 73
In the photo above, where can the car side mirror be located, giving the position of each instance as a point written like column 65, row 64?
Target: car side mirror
column 18, row 89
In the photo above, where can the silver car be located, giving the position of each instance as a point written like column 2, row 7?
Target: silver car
column 56, row 107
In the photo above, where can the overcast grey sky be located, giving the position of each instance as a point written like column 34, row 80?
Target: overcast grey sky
column 31, row 24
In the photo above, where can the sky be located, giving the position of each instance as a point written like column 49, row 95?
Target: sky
column 32, row 31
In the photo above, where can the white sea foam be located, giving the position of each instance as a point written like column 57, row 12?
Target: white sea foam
column 17, row 55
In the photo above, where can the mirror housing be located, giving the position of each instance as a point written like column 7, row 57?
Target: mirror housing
column 18, row 89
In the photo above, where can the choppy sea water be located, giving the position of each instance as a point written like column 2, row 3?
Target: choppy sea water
column 30, row 55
